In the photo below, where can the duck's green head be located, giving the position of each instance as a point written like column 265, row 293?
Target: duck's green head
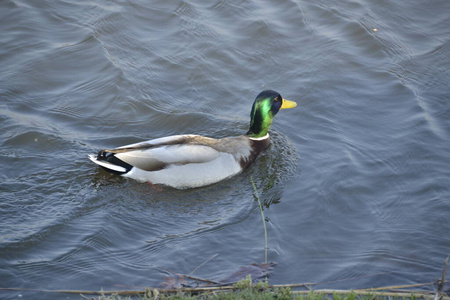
column 266, row 106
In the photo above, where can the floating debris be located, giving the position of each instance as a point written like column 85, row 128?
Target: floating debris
column 256, row 271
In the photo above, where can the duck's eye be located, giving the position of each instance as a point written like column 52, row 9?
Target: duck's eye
column 277, row 103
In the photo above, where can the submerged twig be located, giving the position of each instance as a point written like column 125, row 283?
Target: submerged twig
column 203, row 263
column 408, row 295
column 394, row 288
column 263, row 219
column 441, row 282
column 203, row 280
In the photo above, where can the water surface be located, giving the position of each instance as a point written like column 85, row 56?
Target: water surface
column 356, row 181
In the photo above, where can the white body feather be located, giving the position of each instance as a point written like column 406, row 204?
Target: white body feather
column 190, row 175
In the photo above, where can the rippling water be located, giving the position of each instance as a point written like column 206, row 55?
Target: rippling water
column 356, row 181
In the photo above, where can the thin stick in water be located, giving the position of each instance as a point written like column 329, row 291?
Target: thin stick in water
column 263, row 219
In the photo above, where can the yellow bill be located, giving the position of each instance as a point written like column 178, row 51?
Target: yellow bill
column 288, row 104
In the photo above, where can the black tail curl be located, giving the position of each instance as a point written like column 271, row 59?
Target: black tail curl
column 111, row 158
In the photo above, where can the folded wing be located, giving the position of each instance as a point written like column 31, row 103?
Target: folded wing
column 157, row 154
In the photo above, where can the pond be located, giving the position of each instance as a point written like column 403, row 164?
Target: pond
column 355, row 183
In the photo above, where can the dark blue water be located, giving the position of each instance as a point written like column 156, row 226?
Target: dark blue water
column 356, row 182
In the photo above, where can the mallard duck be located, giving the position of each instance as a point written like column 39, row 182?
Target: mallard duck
column 189, row 161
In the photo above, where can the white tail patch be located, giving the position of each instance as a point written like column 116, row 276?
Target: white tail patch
column 107, row 164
